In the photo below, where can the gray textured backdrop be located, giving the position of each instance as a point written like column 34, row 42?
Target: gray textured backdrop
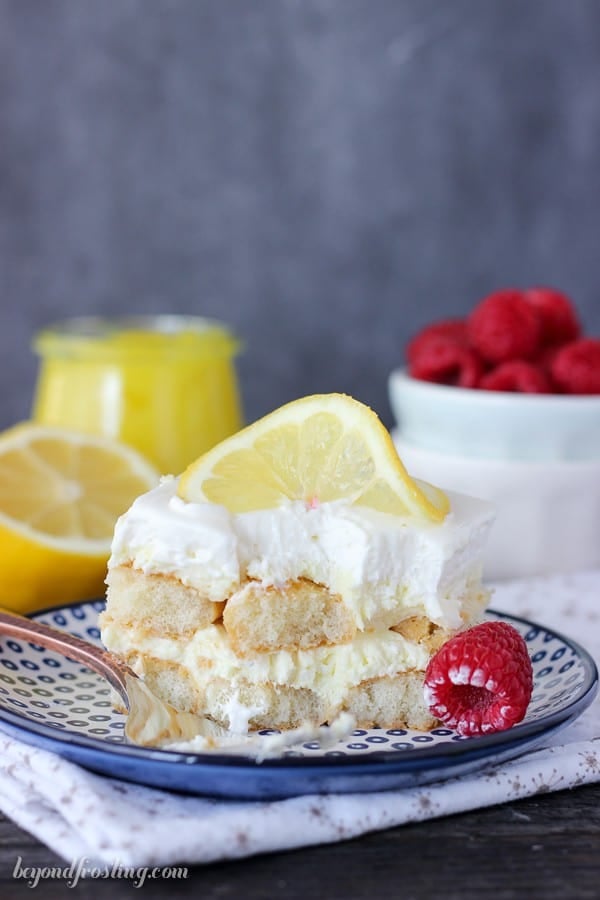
column 325, row 175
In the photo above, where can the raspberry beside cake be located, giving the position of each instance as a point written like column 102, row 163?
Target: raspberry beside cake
column 273, row 617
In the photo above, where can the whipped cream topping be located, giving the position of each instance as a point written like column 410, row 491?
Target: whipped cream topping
column 379, row 564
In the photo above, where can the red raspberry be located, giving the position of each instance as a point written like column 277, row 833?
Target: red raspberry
column 444, row 361
column 480, row 680
column 545, row 358
column 505, row 326
column 576, row 367
column 454, row 329
column 518, row 376
column 559, row 319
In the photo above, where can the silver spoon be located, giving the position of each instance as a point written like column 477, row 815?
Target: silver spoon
column 150, row 721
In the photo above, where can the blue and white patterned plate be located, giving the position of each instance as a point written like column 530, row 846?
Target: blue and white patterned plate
column 57, row 704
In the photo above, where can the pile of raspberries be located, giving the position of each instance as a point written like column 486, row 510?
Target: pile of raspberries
column 527, row 341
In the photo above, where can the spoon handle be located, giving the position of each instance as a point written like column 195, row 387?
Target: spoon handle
column 95, row 658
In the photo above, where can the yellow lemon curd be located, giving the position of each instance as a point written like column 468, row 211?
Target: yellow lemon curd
column 165, row 385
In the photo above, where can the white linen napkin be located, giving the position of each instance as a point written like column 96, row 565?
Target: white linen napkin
column 82, row 815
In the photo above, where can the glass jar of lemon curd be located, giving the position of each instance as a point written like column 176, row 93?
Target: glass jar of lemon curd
column 165, row 385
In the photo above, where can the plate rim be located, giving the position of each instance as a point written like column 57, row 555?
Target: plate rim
column 441, row 755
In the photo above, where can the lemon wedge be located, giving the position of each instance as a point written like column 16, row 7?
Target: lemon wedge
column 317, row 449
column 61, row 493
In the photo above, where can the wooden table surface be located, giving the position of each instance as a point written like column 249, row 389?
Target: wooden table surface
column 545, row 847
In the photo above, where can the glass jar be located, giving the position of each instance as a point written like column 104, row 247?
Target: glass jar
column 165, row 385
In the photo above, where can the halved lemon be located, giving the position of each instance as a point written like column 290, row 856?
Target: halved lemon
column 317, row 449
column 61, row 493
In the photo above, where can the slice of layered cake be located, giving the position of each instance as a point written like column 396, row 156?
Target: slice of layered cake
column 294, row 572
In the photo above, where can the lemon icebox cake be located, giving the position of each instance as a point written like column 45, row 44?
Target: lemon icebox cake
column 293, row 573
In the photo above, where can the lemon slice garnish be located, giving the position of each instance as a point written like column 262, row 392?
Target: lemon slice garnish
column 317, row 449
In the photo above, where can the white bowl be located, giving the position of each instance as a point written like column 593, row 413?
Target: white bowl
column 535, row 456
column 548, row 513
column 494, row 424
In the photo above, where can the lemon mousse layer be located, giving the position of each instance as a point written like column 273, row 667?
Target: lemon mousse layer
column 330, row 670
